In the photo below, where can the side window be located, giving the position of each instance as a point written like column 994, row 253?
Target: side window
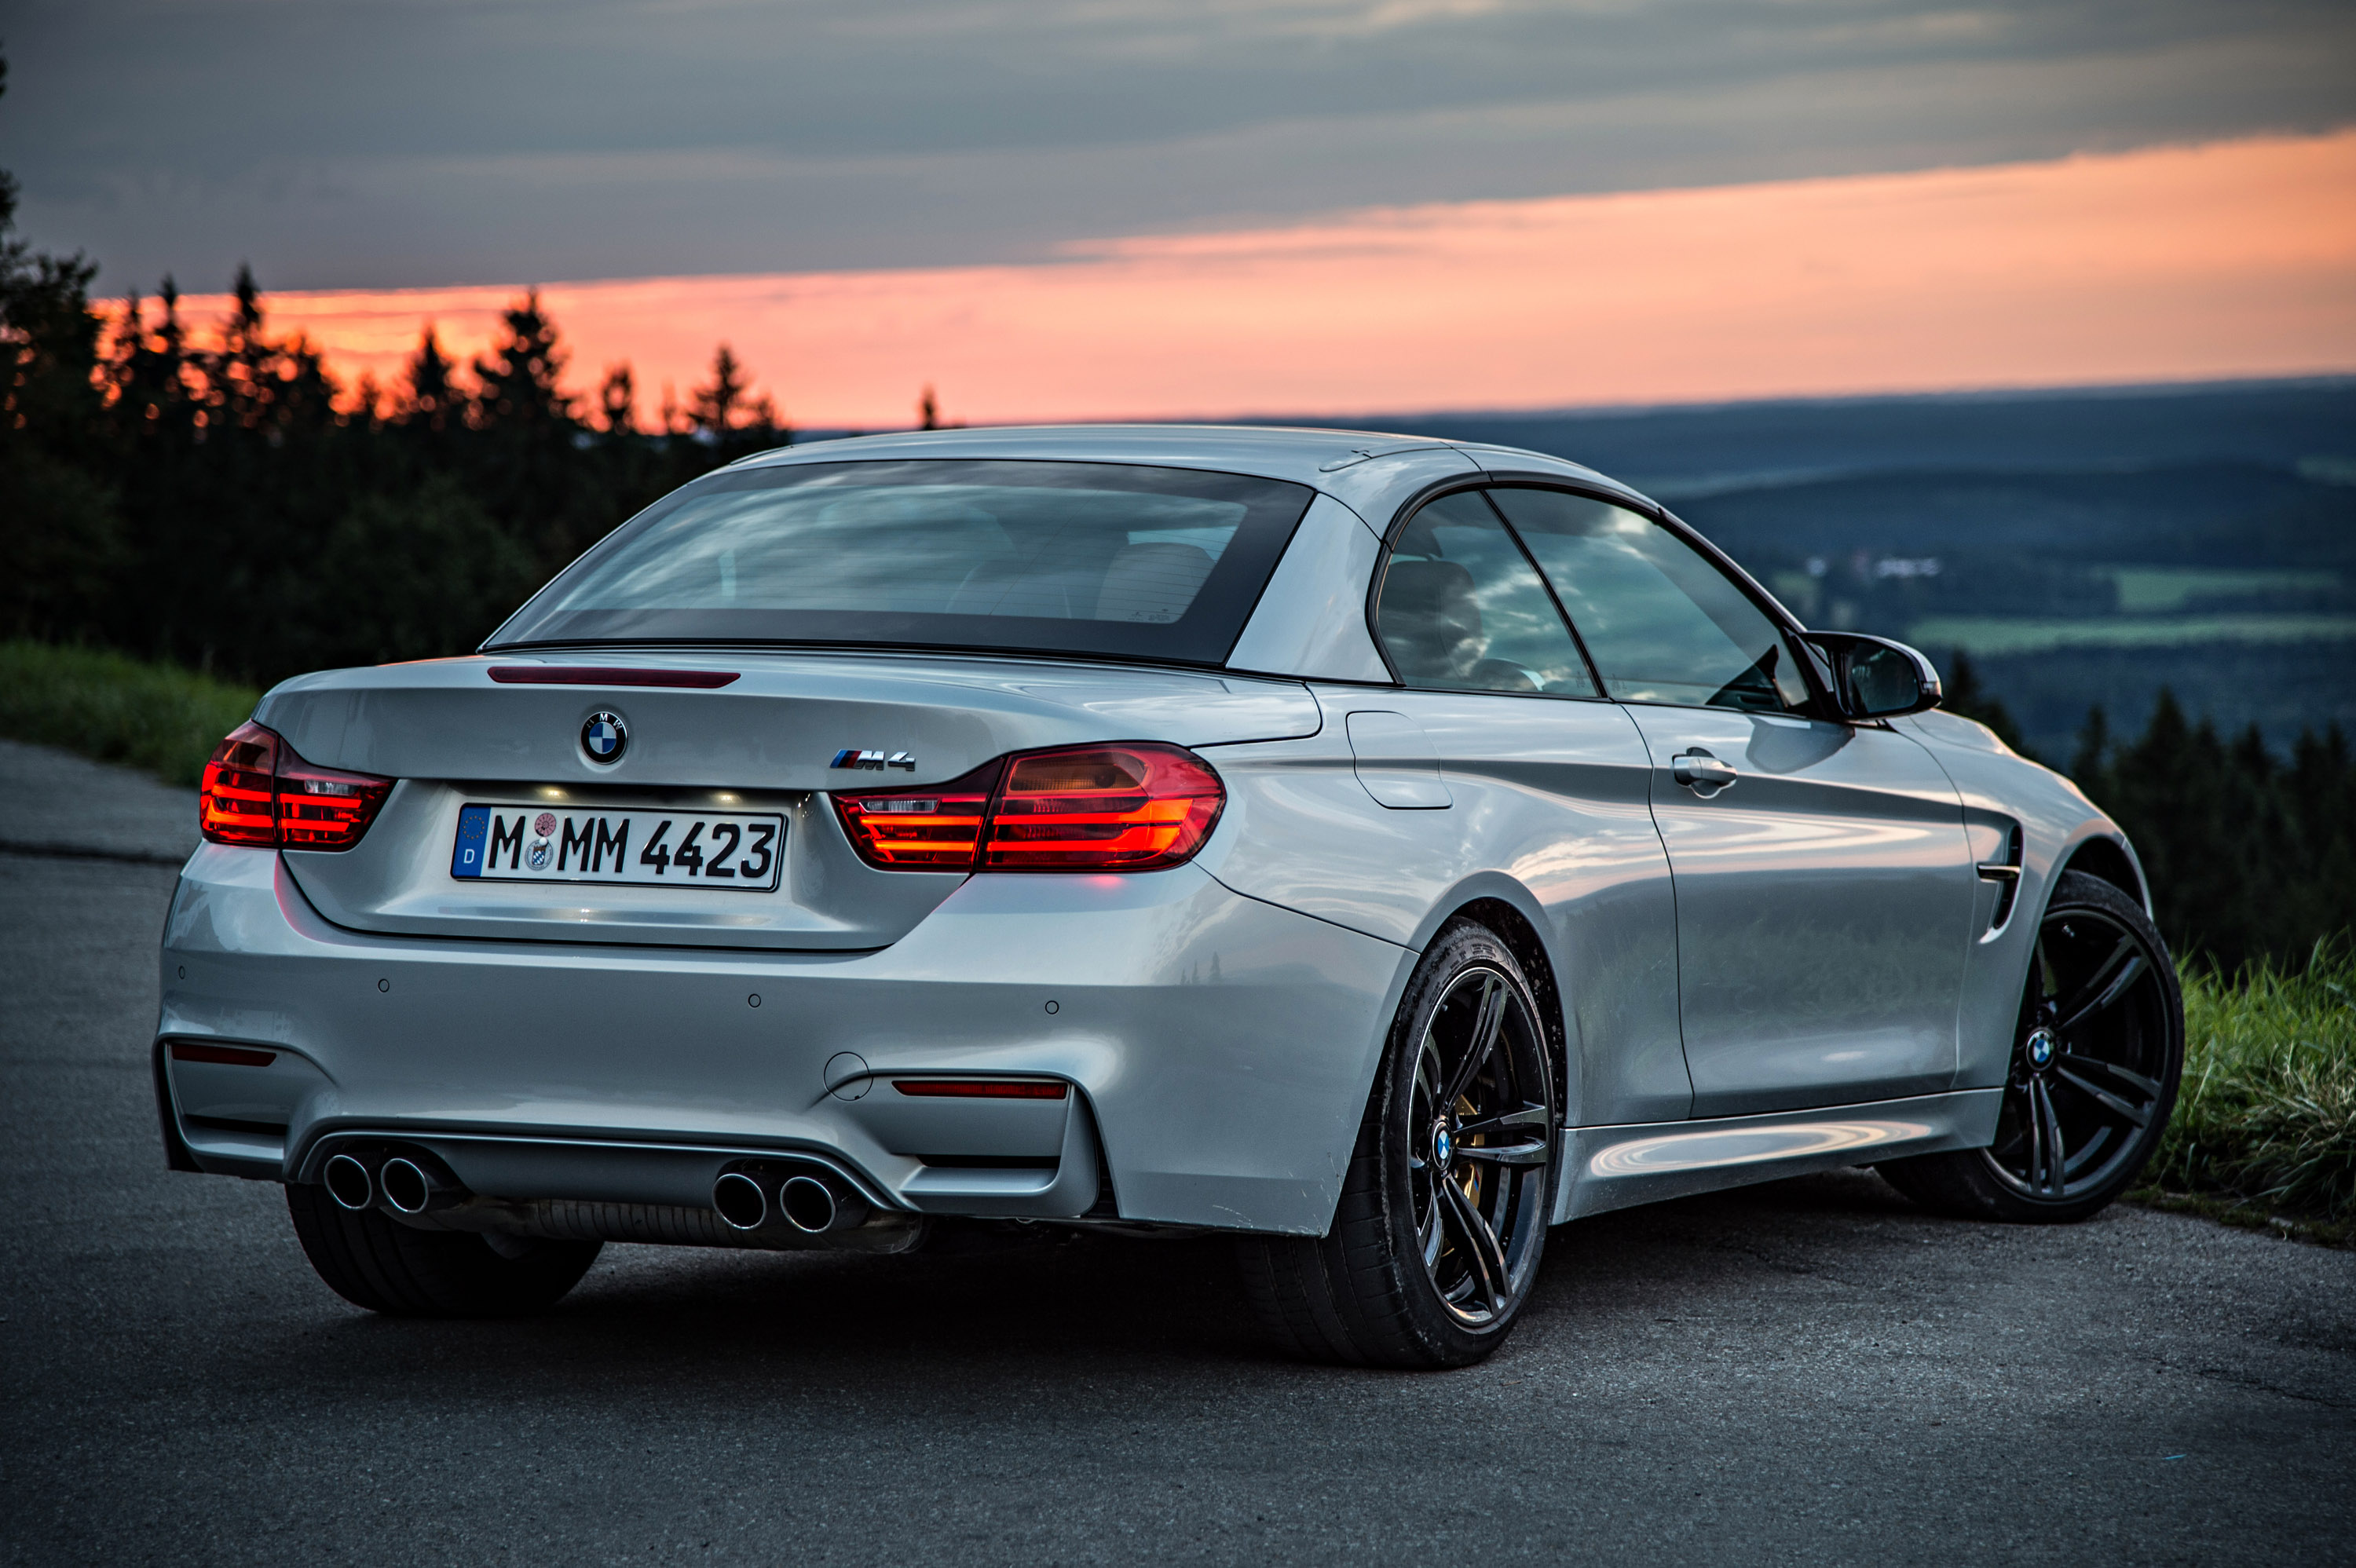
column 1661, row 622
column 1462, row 611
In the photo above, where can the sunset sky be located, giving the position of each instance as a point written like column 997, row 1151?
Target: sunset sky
column 1086, row 208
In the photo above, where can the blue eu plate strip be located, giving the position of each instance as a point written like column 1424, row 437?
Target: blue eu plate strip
column 467, row 859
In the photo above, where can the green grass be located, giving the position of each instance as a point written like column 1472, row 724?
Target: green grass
column 2266, row 1119
column 158, row 717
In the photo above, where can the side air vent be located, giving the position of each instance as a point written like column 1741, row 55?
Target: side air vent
column 1998, row 864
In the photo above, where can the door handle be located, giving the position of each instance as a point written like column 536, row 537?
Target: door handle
column 1701, row 772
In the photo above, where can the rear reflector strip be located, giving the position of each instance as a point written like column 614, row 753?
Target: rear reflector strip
column 610, row 675
column 225, row 1055
column 981, row 1088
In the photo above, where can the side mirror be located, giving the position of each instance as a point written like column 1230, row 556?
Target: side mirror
column 1877, row 678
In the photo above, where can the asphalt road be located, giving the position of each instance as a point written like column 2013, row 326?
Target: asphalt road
column 1805, row 1371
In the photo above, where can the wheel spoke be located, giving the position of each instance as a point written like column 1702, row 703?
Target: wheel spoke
column 1480, row 1243
column 2032, row 1133
column 1487, row 1020
column 2050, row 1154
column 2120, row 1077
column 1504, row 1154
column 2104, row 988
column 1527, row 1116
column 2139, row 1115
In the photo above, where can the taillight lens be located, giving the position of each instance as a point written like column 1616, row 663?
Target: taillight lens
column 1134, row 808
column 931, row 829
column 239, row 804
column 257, row 791
column 1123, row 808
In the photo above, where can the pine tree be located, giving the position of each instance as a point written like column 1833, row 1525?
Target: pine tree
column 712, row 408
column 1966, row 695
column 432, row 400
column 618, row 398
column 517, row 380
column 61, row 523
column 725, row 418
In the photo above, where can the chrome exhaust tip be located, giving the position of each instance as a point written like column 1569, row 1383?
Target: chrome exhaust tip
column 808, row 1203
column 408, row 1186
column 348, row 1183
column 739, row 1201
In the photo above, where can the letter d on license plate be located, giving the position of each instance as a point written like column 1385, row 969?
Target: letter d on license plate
column 649, row 848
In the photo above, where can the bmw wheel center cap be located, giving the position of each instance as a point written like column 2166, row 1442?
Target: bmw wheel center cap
column 2040, row 1048
column 604, row 737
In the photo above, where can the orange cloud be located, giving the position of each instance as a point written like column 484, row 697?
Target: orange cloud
column 2230, row 260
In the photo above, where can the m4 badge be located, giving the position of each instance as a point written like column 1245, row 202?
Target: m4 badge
column 876, row 761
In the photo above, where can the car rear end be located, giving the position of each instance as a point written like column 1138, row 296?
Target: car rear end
column 756, row 893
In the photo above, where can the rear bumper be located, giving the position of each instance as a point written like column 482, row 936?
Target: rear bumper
column 1218, row 1050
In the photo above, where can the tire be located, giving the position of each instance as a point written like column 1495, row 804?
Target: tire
column 2095, row 1059
column 373, row 1262
column 1404, row 1277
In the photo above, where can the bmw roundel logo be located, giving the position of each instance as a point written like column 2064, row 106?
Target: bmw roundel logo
column 604, row 737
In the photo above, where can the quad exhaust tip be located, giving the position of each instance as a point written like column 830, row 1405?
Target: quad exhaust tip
column 349, row 1183
column 406, row 1185
column 808, row 1204
column 409, row 1188
column 740, row 1200
column 812, row 1204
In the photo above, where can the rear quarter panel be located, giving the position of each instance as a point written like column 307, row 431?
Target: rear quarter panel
column 1564, row 833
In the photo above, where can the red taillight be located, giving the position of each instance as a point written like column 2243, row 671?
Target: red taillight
column 239, row 804
column 1132, row 808
column 931, row 829
column 257, row 791
column 1123, row 808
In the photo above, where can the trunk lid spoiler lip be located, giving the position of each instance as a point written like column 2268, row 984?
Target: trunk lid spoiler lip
column 784, row 719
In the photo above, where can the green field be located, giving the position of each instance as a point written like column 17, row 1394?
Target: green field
column 153, row 717
column 2165, row 589
column 1991, row 634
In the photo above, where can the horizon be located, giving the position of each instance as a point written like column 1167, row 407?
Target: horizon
column 2022, row 275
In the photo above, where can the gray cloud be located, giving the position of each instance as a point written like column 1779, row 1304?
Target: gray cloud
column 376, row 142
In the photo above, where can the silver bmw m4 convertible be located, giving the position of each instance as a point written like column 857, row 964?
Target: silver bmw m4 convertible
column 1379, row 849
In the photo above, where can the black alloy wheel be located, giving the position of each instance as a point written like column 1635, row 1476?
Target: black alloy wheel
column 1444, row 1210
column 1478, row 1145
column 2096, row 1054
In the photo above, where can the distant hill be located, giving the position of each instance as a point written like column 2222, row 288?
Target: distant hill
column 1678, row 451
column 2086, row 547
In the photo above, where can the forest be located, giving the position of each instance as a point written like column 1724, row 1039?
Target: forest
column 210, row 496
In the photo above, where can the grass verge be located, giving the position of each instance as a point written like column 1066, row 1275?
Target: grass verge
column 2264, row 1130
column 114, row 709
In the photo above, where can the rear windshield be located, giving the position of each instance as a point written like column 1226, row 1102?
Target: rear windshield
column 1082, row 558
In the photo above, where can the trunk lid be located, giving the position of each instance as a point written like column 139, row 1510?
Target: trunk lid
column 766, row 744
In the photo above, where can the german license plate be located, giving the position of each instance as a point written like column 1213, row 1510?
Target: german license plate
column 653, row 848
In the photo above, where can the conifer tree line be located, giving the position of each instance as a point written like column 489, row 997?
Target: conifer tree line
column 217, row 500
column 2250, row 856
column 221, row 504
